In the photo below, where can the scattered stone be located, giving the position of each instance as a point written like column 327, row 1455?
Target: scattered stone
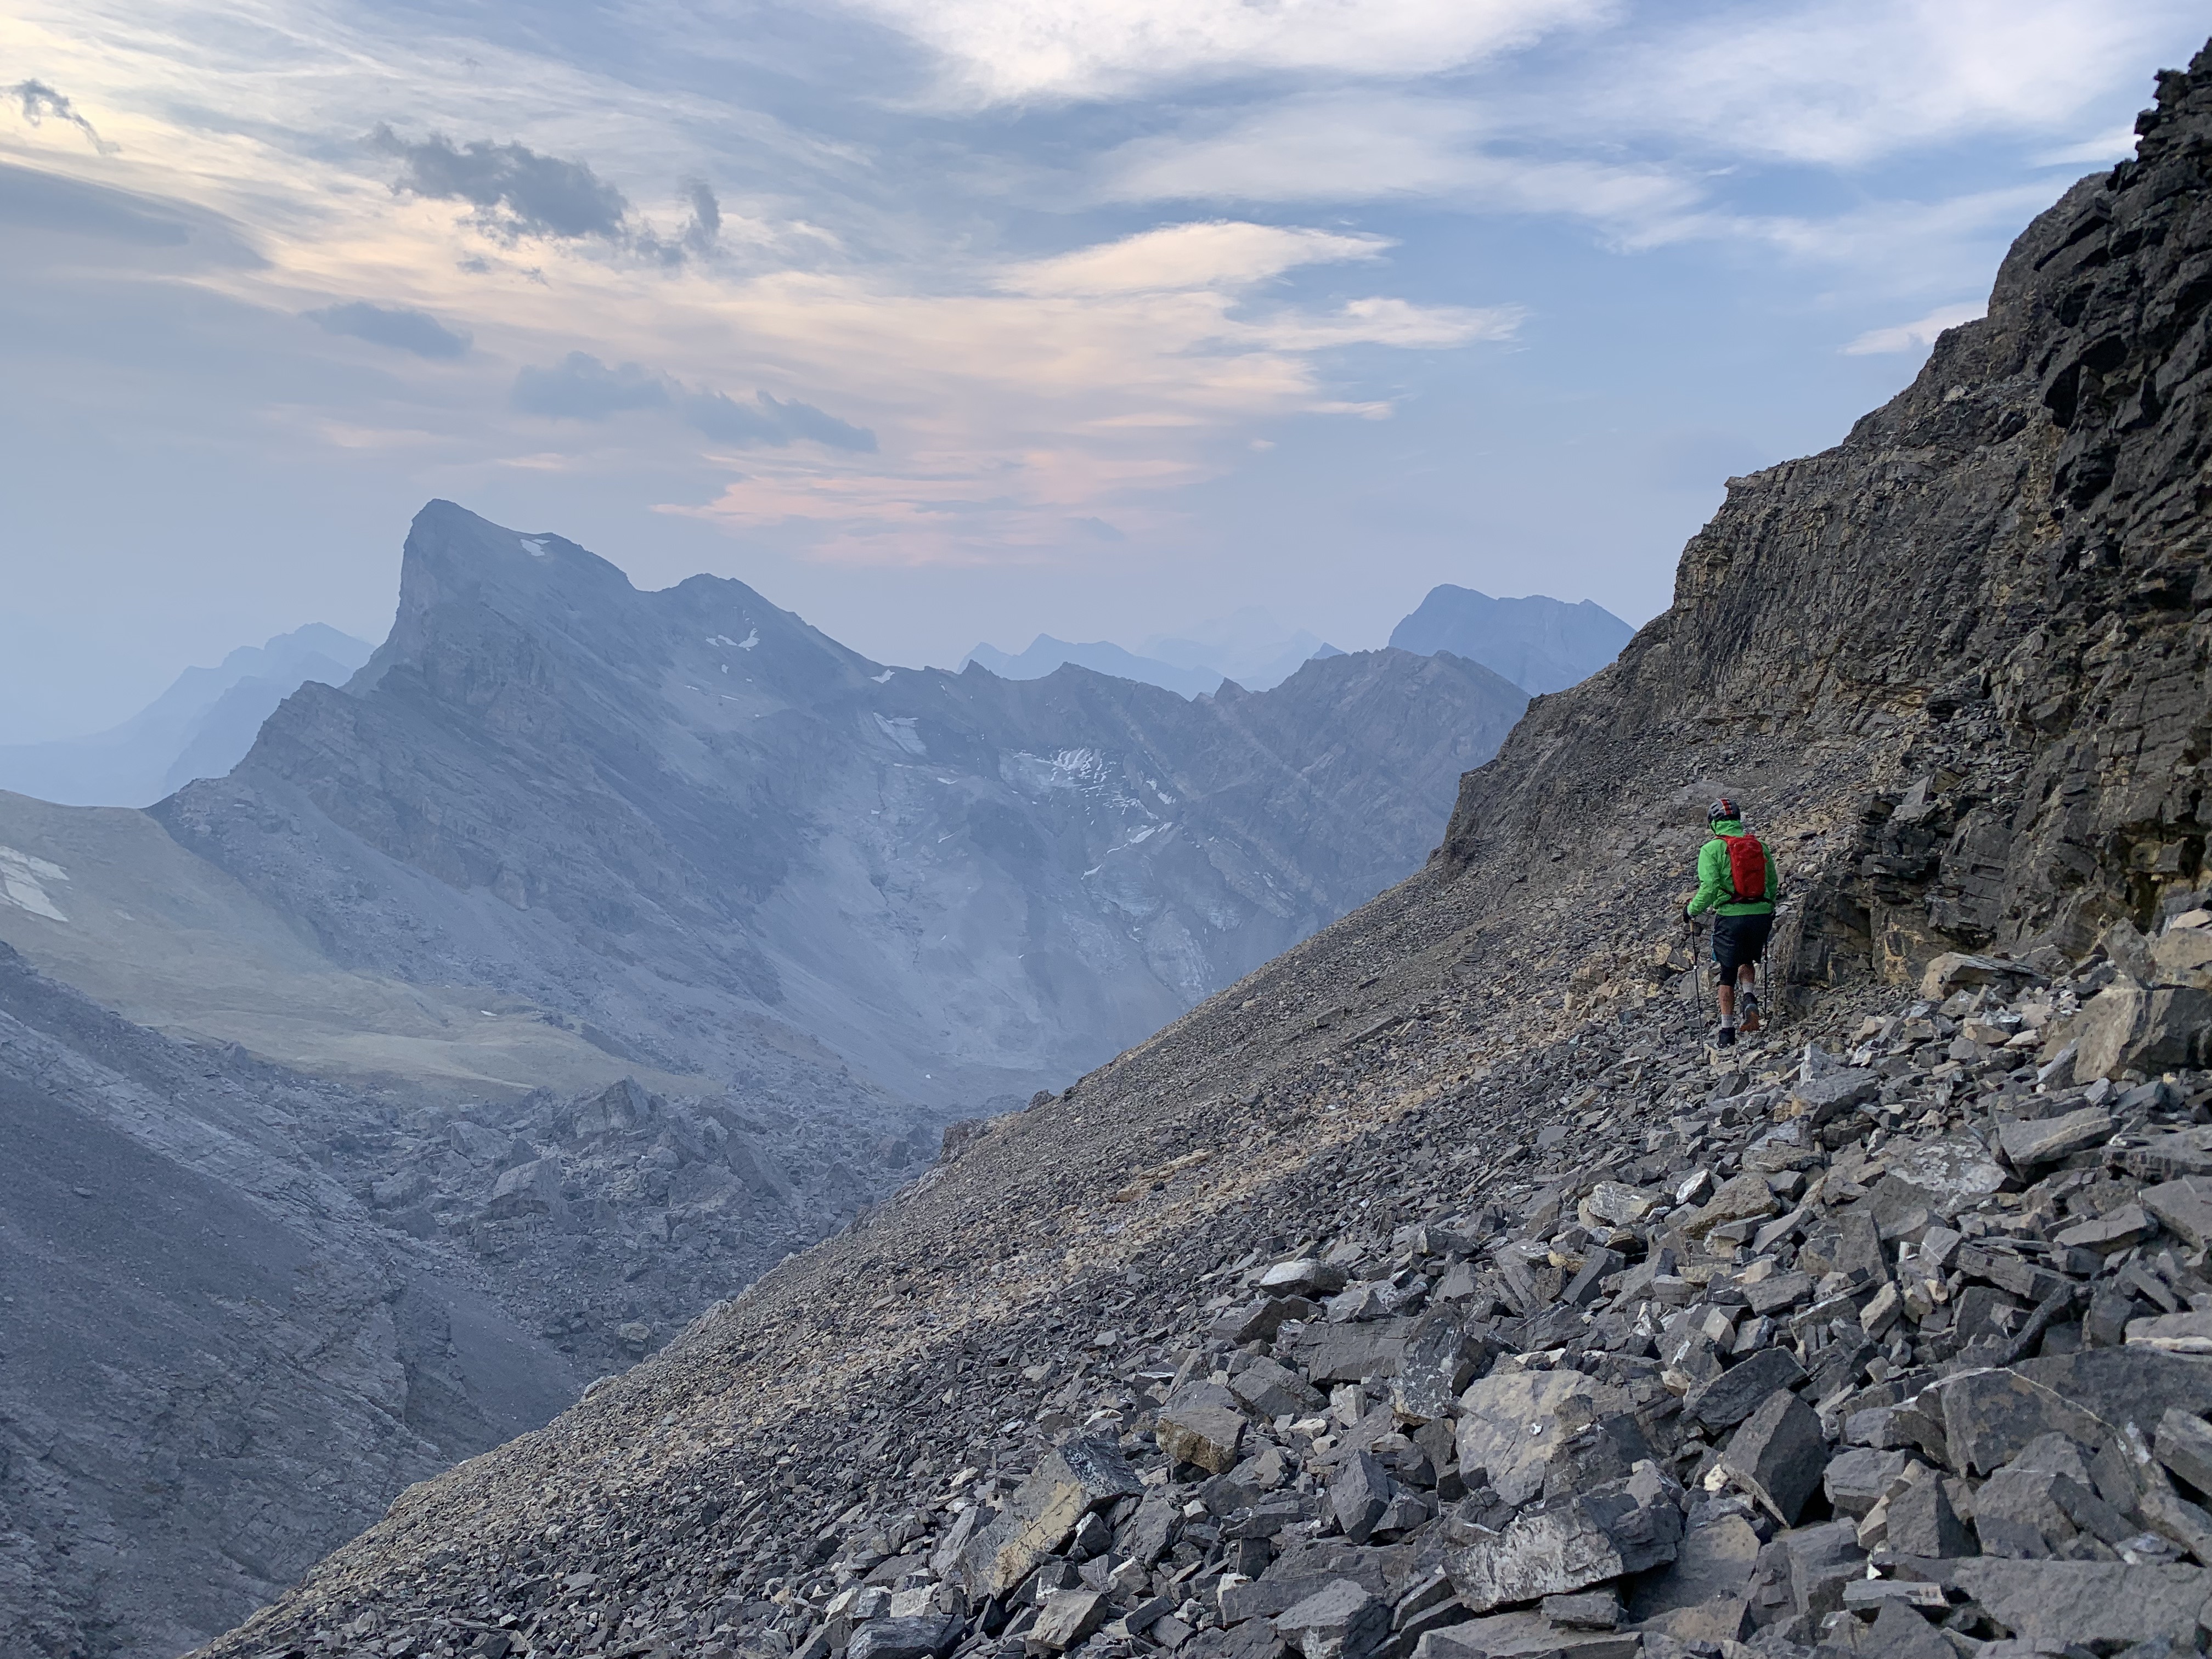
column 1726, row 1399
column 1340, row 1620
column 1559, row 1547
column 1779, row 1455
column 1359, row 1491
column 1200, row 1424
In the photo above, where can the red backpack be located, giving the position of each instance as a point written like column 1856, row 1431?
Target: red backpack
column 1746, row 868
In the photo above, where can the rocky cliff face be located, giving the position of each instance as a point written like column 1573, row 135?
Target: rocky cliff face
column 707, row 832
column 1434, row 1290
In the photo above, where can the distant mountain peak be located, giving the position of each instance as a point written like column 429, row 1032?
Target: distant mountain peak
column 1539, row 643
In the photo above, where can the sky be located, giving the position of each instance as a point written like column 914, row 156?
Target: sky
column 940, row 321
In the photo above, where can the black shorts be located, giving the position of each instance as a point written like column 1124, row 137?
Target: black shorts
column 1738, row 942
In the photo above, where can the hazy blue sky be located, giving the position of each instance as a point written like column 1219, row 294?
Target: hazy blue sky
column 941, row 320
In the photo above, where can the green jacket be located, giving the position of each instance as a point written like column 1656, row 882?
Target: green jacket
column 1715, row 892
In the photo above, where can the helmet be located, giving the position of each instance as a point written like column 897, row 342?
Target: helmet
column 1723, row 808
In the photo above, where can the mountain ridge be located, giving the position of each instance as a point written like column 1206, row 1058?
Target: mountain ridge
column 703, row 787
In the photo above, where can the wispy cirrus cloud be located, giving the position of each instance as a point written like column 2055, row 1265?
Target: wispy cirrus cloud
column 1002, row 50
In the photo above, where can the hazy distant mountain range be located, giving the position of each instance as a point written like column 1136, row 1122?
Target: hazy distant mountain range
column 1540, row 644
column 557, row 825
column 1248, row 646
column 200, row 727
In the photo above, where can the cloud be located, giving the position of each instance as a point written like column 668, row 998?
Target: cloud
column 515, row 190
column 579, row 387
column 46, row 201
column 769, row 420
column 1222, row 254
column 1845, row 83
column 705, row 226
column 1001, row 50
column 401, row 327
column 38, row 101
column 1916, row 335
column 1353, row 147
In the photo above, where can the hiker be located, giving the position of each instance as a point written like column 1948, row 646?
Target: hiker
column 1736, row 881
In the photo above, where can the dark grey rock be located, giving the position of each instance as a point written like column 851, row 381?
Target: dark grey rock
column 1274, row 1390
column 1923, row 1521
column 1857, row 1479
column 2060, row 1602
column 1359, row 1489
column 1778, row 1454
column 925, row 1636
column 1727, row 1398
column 1340, row 1620
column 1560, row 1547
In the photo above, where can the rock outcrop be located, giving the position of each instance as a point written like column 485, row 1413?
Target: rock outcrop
column 1436, row 1290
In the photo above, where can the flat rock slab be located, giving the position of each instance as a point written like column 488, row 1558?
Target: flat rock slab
column 1746, row 1198
column 2046, row 1140
column 2175, row 1332
column 1524, row 1636
column 1989, row 1416
column 1571, row 1544
column 2186, row 1206
column 1957, row 1173
column 1349, row 1353
column 2061, row 1602
column 1510, row 1423
column 1043, row 1510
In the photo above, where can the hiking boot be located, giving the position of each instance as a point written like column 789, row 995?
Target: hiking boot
column 1747, row 1006
column 1724, row 1037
